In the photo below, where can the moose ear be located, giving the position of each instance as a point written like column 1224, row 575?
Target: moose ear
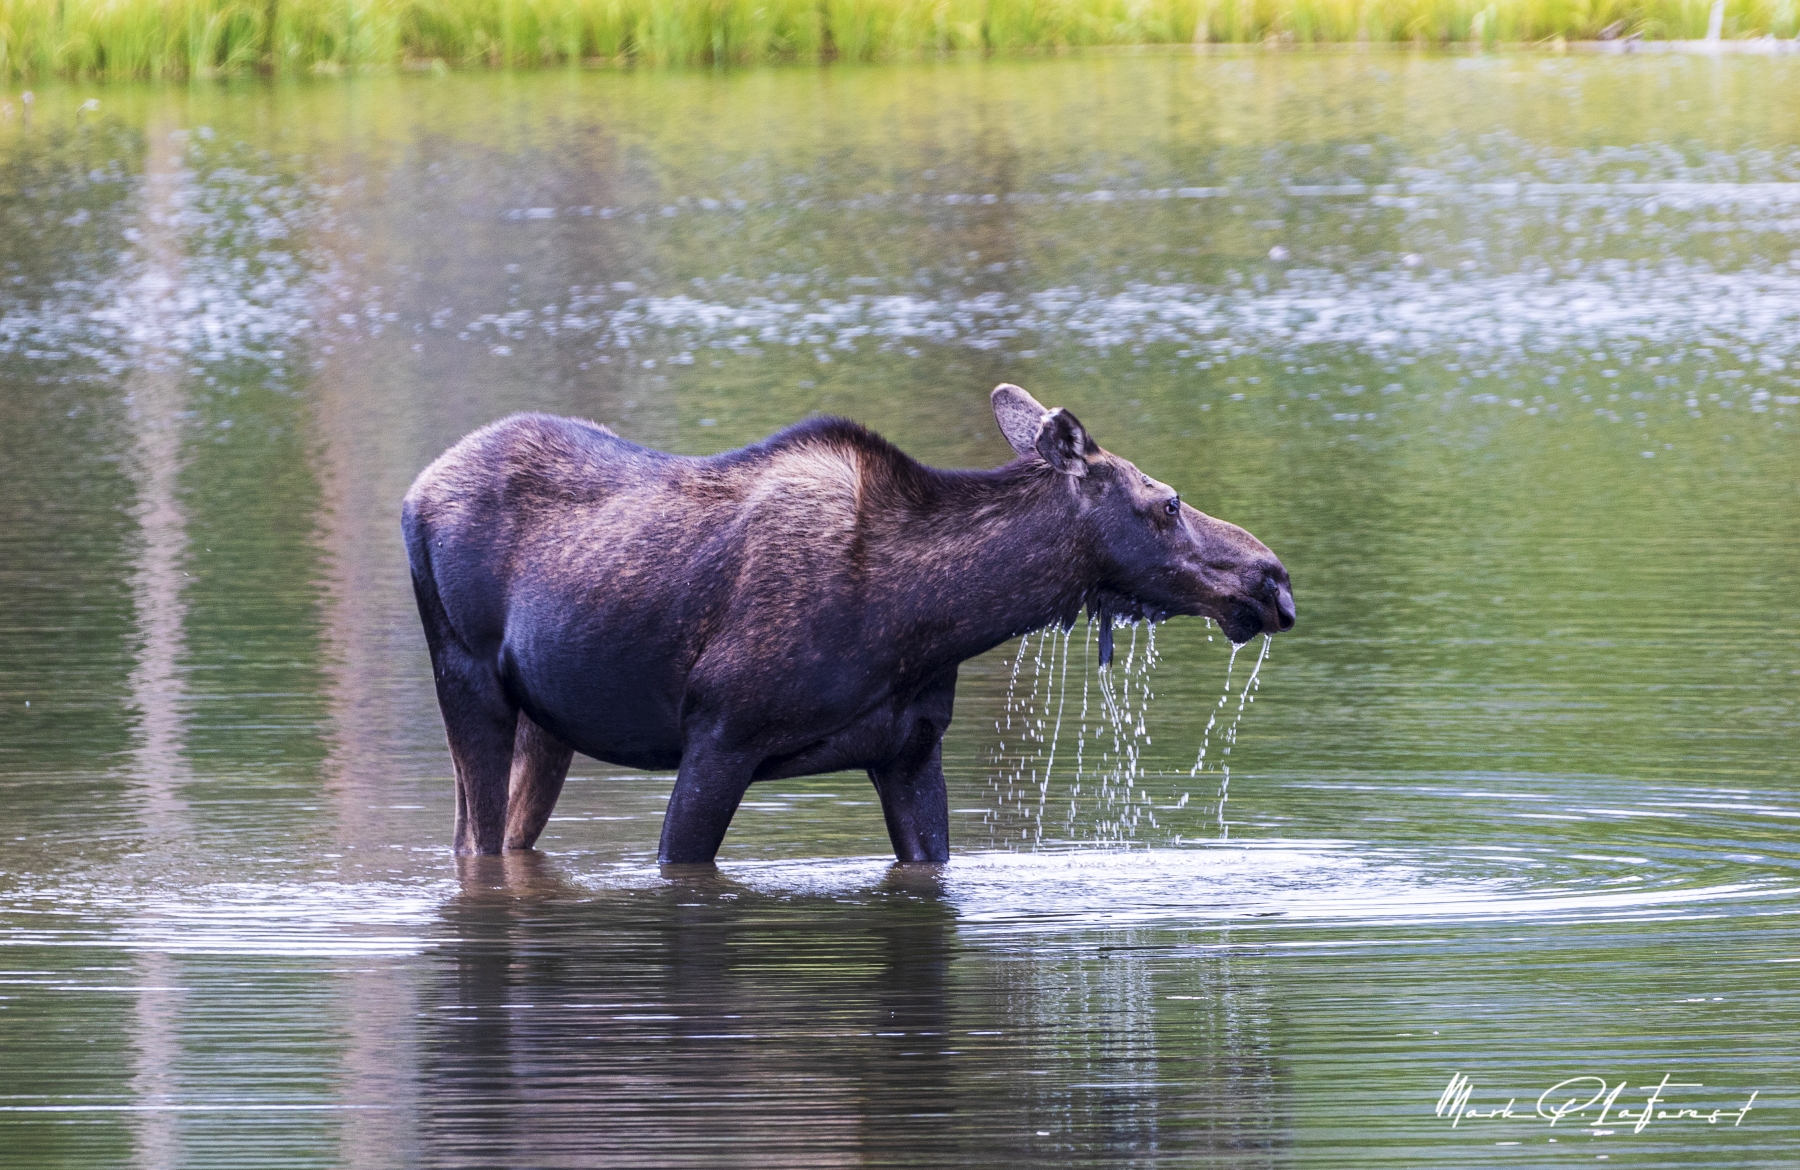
column 1019, row 415
column 1064, row 443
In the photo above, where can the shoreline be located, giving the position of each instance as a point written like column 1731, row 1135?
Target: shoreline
column 1764, row 46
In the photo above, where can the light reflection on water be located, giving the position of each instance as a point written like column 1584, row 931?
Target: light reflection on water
column 1504, row 372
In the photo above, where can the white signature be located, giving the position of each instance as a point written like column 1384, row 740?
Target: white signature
column 1576, row 1098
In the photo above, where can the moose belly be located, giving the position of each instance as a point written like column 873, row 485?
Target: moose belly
column 618, row 708
column 887, row 730
column 867, row 741
column 611, row 720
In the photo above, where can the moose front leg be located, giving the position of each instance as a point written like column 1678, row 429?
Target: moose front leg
column 707, row 791
column 915, row 803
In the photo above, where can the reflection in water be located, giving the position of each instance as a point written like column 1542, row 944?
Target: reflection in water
column 701, row 1020
column 379, row 1068
column 155, row 401
column 695, row 1021
column 154, row 394
column 1508, row 380
column 154, row 1086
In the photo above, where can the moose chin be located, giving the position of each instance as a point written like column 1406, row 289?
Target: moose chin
column 795, row 607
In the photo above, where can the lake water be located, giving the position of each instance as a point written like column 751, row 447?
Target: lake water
column 1498, row 353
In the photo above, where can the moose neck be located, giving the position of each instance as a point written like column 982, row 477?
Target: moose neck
column 1007, row 559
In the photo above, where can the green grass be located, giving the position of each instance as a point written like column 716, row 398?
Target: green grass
column 176, row 38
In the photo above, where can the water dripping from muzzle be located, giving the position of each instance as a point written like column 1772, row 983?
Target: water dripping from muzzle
column 1123, row 803
column 1015, row 728
column 1100, row 767
column 1245, row 697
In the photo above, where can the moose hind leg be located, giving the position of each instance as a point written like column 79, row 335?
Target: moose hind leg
column 479, row 721
column 540, row 763
column 481, row 751
column 916, row 804
column 480, row 725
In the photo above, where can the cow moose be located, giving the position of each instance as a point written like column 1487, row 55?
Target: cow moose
column 797, row 606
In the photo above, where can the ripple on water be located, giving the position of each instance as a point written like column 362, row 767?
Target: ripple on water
column 1264, row 883
column 279, row 919
column 1269, row 883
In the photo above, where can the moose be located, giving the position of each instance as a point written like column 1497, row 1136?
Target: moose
column 794, row 607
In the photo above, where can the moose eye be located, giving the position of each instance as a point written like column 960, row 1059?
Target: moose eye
column 1173, row 507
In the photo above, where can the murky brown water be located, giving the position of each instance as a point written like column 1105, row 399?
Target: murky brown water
column 1497, row 353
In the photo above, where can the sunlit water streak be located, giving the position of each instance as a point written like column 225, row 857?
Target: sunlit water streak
column 1378, row 311
column 250, row 284
column 1501, row 319
column 296, row 285
column 277, row 919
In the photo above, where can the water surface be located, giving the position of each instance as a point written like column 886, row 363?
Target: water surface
column 1498, row 353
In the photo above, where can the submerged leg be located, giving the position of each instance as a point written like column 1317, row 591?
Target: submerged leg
column 707, row 791
column 540, row 763
column 916, row 804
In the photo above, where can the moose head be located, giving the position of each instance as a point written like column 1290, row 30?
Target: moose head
column 1154, row 555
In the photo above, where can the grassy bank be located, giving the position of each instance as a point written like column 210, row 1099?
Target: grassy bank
column 173, row 38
